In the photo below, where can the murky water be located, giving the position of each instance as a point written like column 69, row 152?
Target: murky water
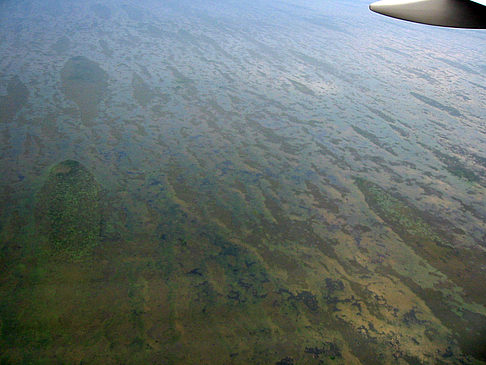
column 239, row 182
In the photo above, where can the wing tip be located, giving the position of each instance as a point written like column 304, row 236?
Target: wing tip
column 447, row 13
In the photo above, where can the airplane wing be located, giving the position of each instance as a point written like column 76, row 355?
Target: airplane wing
column 447, row 13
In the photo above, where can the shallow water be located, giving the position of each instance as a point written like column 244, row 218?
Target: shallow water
column 256, row 182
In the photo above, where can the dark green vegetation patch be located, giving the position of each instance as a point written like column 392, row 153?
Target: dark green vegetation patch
column 456, row 167
column 434, row 103
column 85, row 83
column 68, row 208
column 17, row 96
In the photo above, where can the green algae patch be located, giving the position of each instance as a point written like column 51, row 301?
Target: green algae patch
column 68, row 209
column 463, row 266
column 404, row 219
